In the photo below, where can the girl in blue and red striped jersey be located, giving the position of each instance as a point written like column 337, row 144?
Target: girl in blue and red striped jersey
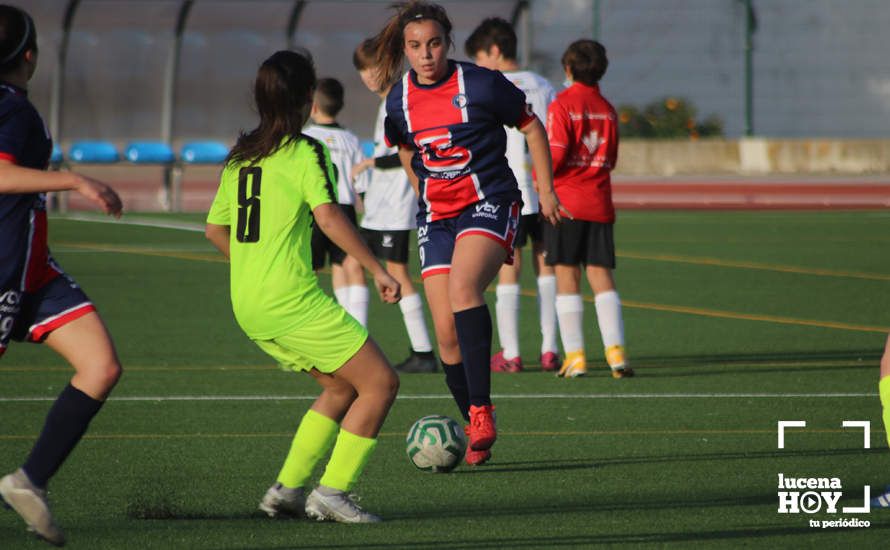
column 38, row 302
column 447, row 119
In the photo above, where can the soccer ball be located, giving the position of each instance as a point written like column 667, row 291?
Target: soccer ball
column 436, row 443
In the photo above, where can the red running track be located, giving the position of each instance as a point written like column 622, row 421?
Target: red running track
column 141, row 193
column 749, row 194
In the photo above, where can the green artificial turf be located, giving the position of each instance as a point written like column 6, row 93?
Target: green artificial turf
column 734, row 321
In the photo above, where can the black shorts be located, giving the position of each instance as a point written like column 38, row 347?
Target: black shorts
column 574, row 242
column 530, row 226
column 323, row 247
column 388, row 245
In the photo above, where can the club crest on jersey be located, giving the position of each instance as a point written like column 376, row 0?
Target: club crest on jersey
column 460, row 101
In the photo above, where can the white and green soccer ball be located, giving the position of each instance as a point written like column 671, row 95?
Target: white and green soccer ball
column 436, row 443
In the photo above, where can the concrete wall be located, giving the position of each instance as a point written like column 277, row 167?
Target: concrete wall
column 753, row 156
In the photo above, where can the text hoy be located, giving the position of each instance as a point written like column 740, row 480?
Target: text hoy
column 811, row 501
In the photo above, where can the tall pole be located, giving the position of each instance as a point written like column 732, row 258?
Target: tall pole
column 58, row 83
column 596, row 20
column 750, row 28
column 520, row 19
column 170, row 75
column 293, row 22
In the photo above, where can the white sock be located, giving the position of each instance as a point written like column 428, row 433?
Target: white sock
column 342, row 296
column 507, row 309
column 358, row 303
column 570, row 312
column 547, row 310
column 608, row 314
column 415, row 324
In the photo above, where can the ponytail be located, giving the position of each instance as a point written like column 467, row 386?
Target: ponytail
column 390, row 42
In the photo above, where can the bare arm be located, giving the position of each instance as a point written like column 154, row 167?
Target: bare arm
column 539, row 150
column 218, row 235
column 339, row 229
column 405, row 155
column 18, row 179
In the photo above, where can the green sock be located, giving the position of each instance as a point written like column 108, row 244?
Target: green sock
column 314, row 437
column 351, row 453
column 884, row 390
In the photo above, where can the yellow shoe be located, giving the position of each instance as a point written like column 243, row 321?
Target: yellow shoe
column 618, row 362
column 574, row 365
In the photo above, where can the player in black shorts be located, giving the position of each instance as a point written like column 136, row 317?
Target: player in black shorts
column 38, row 302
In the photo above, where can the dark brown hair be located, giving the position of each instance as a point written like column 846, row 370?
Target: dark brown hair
column 586, row 61
column 17, row 36
column 329, row 96
column 494, row 31
column 390, row 42
column 364, row 56
column 282, row 92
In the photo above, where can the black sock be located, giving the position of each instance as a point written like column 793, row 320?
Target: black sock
column 456, row 379
column 64, row 426
column 474, row 338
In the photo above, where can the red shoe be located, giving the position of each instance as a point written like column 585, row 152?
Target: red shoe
column 475, row 458
column 482, row 431
column 497, row 361
column 550, row 362
column 500, row 364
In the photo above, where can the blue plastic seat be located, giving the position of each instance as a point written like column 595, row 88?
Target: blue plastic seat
column 56, row 157
column 368, row 148
column 93, row 152
column 204, row 152
column 149, row 152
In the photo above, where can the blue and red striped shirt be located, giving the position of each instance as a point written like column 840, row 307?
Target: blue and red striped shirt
column 25, row 262
column 456, row 128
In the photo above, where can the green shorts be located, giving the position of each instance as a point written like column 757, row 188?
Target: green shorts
column 326, row 338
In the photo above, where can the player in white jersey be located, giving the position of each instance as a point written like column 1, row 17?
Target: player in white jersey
column 493, row 45
column 347, row 276
column 390, row 215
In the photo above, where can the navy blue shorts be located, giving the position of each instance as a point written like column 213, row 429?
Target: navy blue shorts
column 32, row 316
column 435, row 240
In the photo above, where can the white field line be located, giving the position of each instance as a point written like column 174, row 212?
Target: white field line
column 136, row 220
column 196, row 398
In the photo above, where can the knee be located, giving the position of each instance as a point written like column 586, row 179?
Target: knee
column 391, row 385
column 109, row 375
column 100, row 378
column 462, row 295
column 343, row 394
column 447, row 340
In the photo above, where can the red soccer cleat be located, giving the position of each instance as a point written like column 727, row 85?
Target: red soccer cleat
column 550, row 362
column 500, row 364
column 482, row 431
column 475, row 458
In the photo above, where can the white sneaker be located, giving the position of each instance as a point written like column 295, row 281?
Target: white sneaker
column 30, row 503
column 279, row 501
column 338, row 507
